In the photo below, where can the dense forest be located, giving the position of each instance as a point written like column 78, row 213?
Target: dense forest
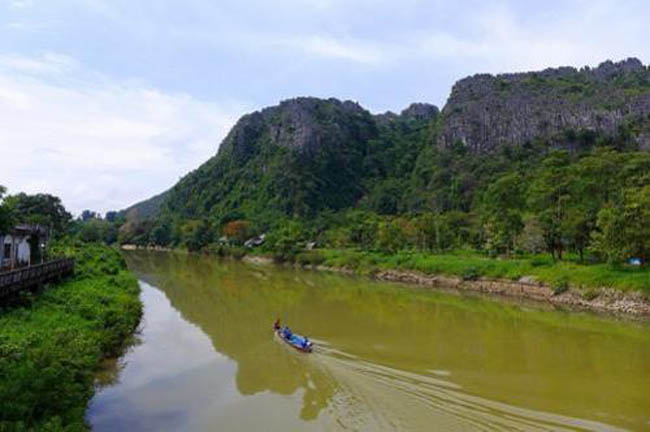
column 567, row 171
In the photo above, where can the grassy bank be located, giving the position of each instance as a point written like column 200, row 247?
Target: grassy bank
column 559, row 275
column 556, row 274
column 52, row 343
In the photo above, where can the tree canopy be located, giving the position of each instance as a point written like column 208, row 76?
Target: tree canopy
column 43, row 209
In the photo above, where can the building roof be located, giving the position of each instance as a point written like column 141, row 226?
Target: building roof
column 30, row 229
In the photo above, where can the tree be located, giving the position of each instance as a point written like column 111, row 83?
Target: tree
column 457, row 229
column 89, row 214
column 237, row 230
column 42, row 209
column 624, row 230
column 111, row 216
column 594, row 181
column 286, row 240
column 95, row 230
column 428, row 230
column 361, row 227
column 549, row 197
column 6, row 220
column 531, row 238
column 161, row 234
column 386, row 196
column 578, row 223
column 637, row 221
column 200, row 235
column 502, row 205
column 396, row 234
column 607, row 242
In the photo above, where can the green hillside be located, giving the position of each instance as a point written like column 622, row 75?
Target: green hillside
column 514, row 164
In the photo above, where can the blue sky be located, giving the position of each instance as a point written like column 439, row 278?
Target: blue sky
column 105, row 103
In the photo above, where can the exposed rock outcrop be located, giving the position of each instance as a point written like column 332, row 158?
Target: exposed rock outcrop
column 486, row 111
column 415, row 111
column 305, row 124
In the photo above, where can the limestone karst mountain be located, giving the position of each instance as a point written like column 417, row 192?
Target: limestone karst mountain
column 308, row 155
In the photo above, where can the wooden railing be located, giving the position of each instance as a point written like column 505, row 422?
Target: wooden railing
column 27, row 277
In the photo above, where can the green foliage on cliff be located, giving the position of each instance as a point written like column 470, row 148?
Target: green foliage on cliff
column 521, row 199
column 416, row 181
column 298, row 159
column 51, row 344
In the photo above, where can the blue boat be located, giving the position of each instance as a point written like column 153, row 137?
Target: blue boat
column 301, row 343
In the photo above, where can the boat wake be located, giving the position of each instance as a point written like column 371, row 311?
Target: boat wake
column 376, row 397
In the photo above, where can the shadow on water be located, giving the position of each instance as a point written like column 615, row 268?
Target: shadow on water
column 387, row 357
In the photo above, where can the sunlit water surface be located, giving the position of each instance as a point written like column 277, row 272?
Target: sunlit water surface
column 388, row 357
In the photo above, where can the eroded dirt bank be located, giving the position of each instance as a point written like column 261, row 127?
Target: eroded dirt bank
column 600, row 300
column 607, row 300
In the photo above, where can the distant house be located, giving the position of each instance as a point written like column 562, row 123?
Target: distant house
column 22, row 246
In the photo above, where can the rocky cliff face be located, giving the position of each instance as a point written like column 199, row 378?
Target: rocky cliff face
column 307, row 155
column 486, row 111
column 298, row 157
column 415, row 111
column 303, row 124
column 295, row 158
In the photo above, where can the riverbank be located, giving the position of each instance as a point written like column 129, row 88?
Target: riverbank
column 568, row 285
column 52, row 343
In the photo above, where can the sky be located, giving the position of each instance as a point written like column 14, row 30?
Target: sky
column 107, row 102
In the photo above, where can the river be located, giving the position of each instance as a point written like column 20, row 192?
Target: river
column 387, row 357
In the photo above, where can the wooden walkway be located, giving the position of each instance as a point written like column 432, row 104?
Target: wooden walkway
column 16, row 280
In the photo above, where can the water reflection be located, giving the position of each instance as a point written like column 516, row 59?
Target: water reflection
column 388, row 357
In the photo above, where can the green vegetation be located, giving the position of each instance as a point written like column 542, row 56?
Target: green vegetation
column 48, row 211
column 562, row 216
column 612, row 89
column 330, row 175
column 469, row 266
column 6, row 219
column 43, row 209
column 52, row 343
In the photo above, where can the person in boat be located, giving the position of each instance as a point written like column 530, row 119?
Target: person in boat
column 276, row 324
column 305, row 342
column 286, row 332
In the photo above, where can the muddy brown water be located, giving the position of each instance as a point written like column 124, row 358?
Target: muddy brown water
column 387, row 357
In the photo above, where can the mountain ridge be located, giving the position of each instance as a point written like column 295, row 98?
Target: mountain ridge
column 306, row 154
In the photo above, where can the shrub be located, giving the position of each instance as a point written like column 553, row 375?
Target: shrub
column 471, row 274
column 50, row 349
column 236, row 252
column 237, row 230
column 539, row 261
column 280, row 257
column 310, row 258
column 560, row 285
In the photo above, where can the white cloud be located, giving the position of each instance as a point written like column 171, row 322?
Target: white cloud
column 91, row 135
column 103, row 145
column 502, row 41
column 20, row 4
column 25, row 26
column 494, row 37
column 46, row 64
column 335, row 48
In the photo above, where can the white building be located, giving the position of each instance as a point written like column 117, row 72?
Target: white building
column 20, row 246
